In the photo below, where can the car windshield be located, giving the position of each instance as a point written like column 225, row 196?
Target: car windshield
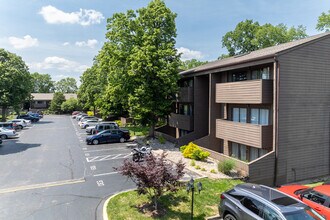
column 103, row 132
column 303, row 214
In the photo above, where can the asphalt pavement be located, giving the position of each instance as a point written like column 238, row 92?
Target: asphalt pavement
column 50, row 173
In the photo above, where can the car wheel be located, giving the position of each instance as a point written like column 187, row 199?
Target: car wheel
column 95, row 142
column 20, row 127
column 3, row 137
column 122, row 140
column 229, row 217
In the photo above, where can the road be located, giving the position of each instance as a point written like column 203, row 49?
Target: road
column 50, row 173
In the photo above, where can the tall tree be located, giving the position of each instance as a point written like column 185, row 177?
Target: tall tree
column 154, row 65
column 323, row 22
column 189, row 64
column 249, row 36
column 66, row 85
column 42, row 83
column 15, row 81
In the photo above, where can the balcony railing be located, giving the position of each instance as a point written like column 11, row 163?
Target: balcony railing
column 185, row 94
column 184, row 122
column 245, row 92
column 260, row 136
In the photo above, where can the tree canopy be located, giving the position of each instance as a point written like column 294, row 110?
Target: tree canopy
column 15, row 81
column 42, row 83
column 189, row 64
column 66, row 85
column 249, row 36
column 55, row 104
column 323, row 22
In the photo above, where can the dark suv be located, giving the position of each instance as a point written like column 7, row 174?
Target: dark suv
column 28, row 117
column 104, row 126
column 252, row 201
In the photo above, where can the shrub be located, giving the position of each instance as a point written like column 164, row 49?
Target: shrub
column 197, row 167
column 203, row 169
column 226, row 166
column 213, row 171
column 161, row 140
column 90, row 113
column 193, row 151
column 118, row 122
column 192, row 163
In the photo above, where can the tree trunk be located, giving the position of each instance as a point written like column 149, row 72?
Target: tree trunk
column 4, row 109
column 155, row 203
column 94, row 110
column 152, row 130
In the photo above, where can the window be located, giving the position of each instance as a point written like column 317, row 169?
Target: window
column 243, row 152
column 254, row 154
column 187, row 83
column 239, row 76
column 315, row 197
column 239, row 115
column 259, row 116
column 261, row 73
column 234, row 150
column 253, row 205
column 183, row 132
column 185, row 109
column 270, row 214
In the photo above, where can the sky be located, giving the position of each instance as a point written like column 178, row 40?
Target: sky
column 61, row 37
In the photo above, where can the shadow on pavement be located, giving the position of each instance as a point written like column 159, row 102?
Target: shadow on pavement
column 12, row 147
column 43, row 122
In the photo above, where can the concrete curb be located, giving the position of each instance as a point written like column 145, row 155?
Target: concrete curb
column 105, row 205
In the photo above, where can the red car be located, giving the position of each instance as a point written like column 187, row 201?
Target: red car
column 317, row 197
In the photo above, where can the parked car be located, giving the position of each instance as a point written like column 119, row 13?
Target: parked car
column 28, row 117
column 83, row 119
column 108, row 136
column 80, row 115
column 75, row 113
column 103, row 126
column 90, row 122
column 251, row 201
column 86, row 117
column 21, row 123
column 9, row 125
column 37, row 115
column 0, row 142
column 317, row 197
column 7, row 133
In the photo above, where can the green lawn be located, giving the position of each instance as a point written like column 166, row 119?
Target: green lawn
column 124, row 206
column 138, row 130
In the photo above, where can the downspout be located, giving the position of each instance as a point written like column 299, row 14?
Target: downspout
column 277, row 86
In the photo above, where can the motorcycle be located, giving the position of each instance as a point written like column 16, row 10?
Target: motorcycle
column 140, row 153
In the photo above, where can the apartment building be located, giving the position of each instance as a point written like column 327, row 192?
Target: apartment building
column 268, row 110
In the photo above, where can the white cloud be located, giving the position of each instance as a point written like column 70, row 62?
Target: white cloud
column 90, row 43
column 83, row 17
column 25, row 42
column 66, row 44
column 187, row 54
column 59, row 63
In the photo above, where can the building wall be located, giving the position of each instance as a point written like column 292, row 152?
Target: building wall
column 304, row 113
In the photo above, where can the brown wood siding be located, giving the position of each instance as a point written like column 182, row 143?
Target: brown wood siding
column 304, row 113
column 184, row 122
column 245, row 92
column 186, row 94
column 262, row 169
column 259, row 136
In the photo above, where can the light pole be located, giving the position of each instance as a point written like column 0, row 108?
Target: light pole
column 190, row 186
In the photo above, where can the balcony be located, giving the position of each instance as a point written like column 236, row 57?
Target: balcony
column 186, row 94
column 184, row 122
column 260, row 136
column 258, row 91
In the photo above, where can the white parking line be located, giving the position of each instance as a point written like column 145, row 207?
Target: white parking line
column 107, row 157
column 105, row 174
column 118, row 148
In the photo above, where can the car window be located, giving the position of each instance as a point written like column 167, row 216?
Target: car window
column 270, row 214
column 114, row 132
column 253, row 205
column 315, row 197
column 100, row 127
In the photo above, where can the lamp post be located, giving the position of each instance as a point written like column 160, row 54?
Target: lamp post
column 190, row 186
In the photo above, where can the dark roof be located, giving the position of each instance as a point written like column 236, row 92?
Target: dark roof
column 254, row 55
column 49, row 96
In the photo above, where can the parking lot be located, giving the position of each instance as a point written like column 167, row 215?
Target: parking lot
column 52, row 171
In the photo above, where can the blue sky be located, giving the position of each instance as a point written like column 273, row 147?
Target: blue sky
column 61, row 37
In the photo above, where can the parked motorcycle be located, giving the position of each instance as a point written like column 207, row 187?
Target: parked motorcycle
column 140, row 153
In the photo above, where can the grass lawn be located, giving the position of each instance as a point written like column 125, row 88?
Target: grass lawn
column 138, row 131
column 314, row 184
column 178, row 205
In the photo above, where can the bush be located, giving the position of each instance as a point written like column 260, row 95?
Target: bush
column 193, row 151
column 226, row 166
column 203, row 169
column 213, row 171
column 118, row 122
column 161, row 140
column 90, row 113
column 197, row 167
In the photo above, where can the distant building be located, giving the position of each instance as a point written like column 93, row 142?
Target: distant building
column 42, row 100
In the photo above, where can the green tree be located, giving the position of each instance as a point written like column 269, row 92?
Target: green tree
column 189, row 64
column 15, row 81
column 323, row 22
column 42, row 83
column 55, row 104
column 154, row 64
column 249, row 36
column 70, row 105
column 66, row 85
